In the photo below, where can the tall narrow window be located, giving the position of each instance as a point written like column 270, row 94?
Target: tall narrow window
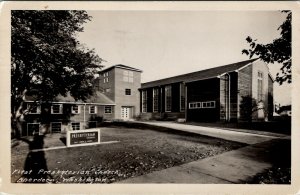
column 105, row 79
column 260, row 86
column 182, row 97
column 155, row 99
column 144, row 101
column 168, row 98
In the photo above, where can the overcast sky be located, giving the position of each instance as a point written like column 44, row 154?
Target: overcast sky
column 169, row 43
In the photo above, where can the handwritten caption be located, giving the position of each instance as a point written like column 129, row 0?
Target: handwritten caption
column 66, row 176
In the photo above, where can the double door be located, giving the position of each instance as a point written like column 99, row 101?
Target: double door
column 126, row 113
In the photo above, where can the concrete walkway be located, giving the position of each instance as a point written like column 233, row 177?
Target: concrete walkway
column 242, row 137
column 236, row 166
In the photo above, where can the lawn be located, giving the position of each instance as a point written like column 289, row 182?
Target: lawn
column 138, row 152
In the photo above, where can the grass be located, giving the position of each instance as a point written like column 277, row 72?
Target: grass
column 282, row 127
column 138, row 152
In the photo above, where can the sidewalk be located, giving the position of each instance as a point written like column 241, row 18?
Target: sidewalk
column 237, row 166
column 244, row 136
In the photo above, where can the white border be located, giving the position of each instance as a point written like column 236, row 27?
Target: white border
column 7, row 187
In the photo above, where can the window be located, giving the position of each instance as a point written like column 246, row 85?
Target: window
column 105, row 74
column 128, row 76
column 56, row 109
column 144, row 101
column 127, row 91
column 105, row 80
column 194, row 105
column 210, row 104
column 92, row 124
column 107, row 109
column 197, row 105
column 155, row 100
column 182, row 97
column 107, row 90
column 55, row 127
column 33, row 108
column 93, row 110
column 168, row 98
column 75, row 126
column 260, row 86
column 75, row 109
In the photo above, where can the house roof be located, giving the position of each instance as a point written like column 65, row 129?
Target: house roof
column 97, row 98
column 121, row 66
column 199, row 75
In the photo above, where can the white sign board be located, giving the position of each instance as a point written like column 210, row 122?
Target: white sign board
column 83, row 137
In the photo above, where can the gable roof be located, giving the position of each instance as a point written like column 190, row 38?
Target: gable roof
column 199, row 75
column 97, row 98
column 122, row 67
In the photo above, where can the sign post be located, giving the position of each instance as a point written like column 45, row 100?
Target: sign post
column 83, row 137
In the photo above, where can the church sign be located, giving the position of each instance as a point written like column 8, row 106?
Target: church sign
column 83, row 137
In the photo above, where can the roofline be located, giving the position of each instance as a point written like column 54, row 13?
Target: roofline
column 271, row 77
column 253, row 62
column 203, row 70
column 185, row 81
column 247, row 65
column 81, row 103
column 202, row 79
column 122, row 67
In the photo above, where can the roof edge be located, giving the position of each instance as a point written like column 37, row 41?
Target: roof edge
column 247, row 64
column 81, row 103
column 122, row 67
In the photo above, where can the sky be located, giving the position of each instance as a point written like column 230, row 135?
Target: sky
column 170, row 43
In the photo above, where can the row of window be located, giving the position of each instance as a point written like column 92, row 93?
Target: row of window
column 58, row 109
column 127, row 76
column 197, row 105
column 127, row 91
column 57, row 127
column 105, row 80
column 168, row 99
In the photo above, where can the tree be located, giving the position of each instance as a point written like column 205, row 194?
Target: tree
column 277, row 51
column 47, row 59
column 248, row 106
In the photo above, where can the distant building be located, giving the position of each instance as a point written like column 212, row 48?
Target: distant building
column 116, row 98
column 234, row 92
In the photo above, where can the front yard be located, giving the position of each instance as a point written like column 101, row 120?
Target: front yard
column 138, row 152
